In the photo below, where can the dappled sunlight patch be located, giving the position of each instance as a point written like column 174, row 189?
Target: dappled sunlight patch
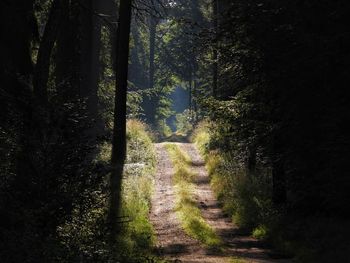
column 137, row 235
column 138, row 187
column 183, row 173
column 196, row 227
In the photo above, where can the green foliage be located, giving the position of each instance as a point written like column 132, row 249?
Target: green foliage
column 176, row 54
column 106, row 88
column 311, row 239
column 201, row 136
column 137, row 188
column 245, row 197
column 106, row 91
column 186, row 207
column 163, row 129
column 237, row 260
column 134, row 101
column 281, row 99
column 140, row 144
column 184, row 123
column 85, row 233
column 260, row 232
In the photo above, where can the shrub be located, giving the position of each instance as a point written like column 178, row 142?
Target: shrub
column 163, row 130
column 247, row 198
column 201, row 137
column 244, row 197
column 184, row 123
column 84, row 235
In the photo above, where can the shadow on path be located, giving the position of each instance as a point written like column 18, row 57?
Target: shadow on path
column 172, row 242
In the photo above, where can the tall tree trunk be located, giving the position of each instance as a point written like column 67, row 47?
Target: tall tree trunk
column 279, row 188
column 152, row 42
column 279, row 194
column 90, row 59
column 42, row 68
column 111, row 9
column 190, row 94
column 195, row 105
column 251, row 161
column 67, row 68
column 215, row 48
column 119, row 130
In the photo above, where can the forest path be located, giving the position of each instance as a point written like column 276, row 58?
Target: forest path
column 173, row 243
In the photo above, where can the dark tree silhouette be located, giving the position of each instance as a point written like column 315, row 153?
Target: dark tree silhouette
column 119, row 130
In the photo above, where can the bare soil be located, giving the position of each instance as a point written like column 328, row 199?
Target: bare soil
column 173, row 243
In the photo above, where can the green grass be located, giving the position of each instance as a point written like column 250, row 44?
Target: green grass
column 187, row 210
column 237, row 260
column 260, row 232
column 137, row 238
column 248, row 200
column 201, row 136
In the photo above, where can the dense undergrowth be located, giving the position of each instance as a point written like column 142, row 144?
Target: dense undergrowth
column 246, row 197
column 186, row 207
column 86, row 233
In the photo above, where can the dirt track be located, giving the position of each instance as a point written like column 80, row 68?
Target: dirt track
column 172, row 242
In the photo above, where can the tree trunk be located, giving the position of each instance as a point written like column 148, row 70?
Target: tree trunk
column 215, row 49
column 42, row 68
column 119, row 131
column 251, row 161
column 111, row 9
column 90, row 42
column 279, row 195
column 67, row 68
column 152, row 41
column 195, row 105
column 190, row 92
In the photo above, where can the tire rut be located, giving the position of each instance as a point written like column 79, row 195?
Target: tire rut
column 173, row 243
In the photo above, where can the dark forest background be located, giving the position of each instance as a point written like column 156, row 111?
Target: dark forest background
column 269, row 77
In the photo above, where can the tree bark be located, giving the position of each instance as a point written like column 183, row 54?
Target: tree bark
column 42, row 68
column 67, row 68
column 251, row 161
column 215, row 49
column 152, row 41
column 195, row 105
column 279, row 183
column 119, row 131
column 190, row 92
column 90, row 55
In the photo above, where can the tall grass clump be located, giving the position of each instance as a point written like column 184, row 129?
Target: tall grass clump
column 86, row 232
column 244, row 197
column 186, row 206
column 137, row 189
column 201, row 137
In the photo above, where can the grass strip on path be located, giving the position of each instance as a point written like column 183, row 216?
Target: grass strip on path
column 186, row 207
